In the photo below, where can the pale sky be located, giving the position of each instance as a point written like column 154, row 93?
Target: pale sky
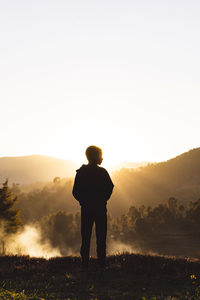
column 123, row 75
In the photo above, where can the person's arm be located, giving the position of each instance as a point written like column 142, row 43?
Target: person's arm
column 108, row 186
column 76, row 188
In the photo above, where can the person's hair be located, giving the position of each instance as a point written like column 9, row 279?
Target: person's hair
column 92, row 153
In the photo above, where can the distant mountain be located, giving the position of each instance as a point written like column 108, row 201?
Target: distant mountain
column 34, row 168
column 149, row 185
column 40, row 168
column 130, row 165
column 155, row 183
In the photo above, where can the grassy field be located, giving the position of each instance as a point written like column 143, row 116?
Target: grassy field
column 127, row 276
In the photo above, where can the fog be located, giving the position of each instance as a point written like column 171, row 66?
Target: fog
column 29, row 242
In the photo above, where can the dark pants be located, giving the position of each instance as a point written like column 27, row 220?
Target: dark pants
column 88, row 217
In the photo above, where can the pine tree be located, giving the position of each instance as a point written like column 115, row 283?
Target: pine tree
column 10, row 220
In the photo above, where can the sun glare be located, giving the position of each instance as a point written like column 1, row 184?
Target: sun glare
column 112, row 143
column 111, row 157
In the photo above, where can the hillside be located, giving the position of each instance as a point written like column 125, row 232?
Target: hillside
column 129, row 165
column 155, row 183
column 29, row 169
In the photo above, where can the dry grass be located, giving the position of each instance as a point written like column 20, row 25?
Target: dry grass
column 127, row 276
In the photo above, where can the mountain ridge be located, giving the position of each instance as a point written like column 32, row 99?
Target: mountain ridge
column 181, row 173
column 33, row 168
column 155, row 183
column 22, row 169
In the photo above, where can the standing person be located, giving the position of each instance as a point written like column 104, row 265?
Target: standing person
column 92, row 188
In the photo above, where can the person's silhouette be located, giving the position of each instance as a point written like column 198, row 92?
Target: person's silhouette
column 92, row 188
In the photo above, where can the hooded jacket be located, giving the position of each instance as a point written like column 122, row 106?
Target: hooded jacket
column 92, row 186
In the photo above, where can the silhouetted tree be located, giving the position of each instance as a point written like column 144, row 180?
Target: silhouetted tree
column 61, row 230
column 9, row 217
column 10, row 220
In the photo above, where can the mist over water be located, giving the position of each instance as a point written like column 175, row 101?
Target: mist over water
column 29, row 242
column 117, row 247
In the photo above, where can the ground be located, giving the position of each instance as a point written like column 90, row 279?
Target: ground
column 127, row 276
